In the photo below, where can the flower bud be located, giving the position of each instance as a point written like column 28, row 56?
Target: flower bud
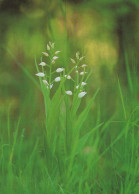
column 42, row 64
column 40, row 74
column 68, row 92
column 82, row 94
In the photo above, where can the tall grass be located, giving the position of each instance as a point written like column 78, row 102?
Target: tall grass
column 70, row 151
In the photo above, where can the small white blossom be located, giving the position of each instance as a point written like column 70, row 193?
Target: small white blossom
column 83, row 84
column 84, row 65
column 46, row 54
column 82, row 73
column 68, row 92
column 42, row 64
column 40, row 74
column 81, row 58
column 55, row 57
column 77, row 71
column 77, row 55
column 53, row 61
column 82, row 94
column 57, row 79
column 59, row 70
column 53, row 45
column 48, row 47
column 57, row 52
column 68, row 76
column 72, row 60
column 45, row 82
column 50, row 86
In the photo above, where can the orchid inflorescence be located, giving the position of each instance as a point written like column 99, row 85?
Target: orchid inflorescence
column 80, row 71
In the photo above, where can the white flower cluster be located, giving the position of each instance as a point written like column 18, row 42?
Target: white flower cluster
column 47, row 74
column 80, row 70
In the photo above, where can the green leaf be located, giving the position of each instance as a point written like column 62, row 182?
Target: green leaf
column 83, row 140
column 82, row 117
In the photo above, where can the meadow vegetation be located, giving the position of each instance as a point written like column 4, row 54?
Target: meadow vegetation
column 69, row 121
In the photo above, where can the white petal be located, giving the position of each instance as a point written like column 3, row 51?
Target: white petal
column 68, row 92
column 53, row 45
column 77, row 71
column 68, row 76
column 40, row 74
column 50, row 43
column 42, row 64
column 55, row 57
column 77, row 55
column 84, row 65
column 82, row 73
column 57, row 52
column 83, row 83
column 53, row 62
column 46, row 54
column 51, row 86
column 72, row 60
column 45, row 82
column 57, row 79
column 81, row 58
column 60, row 70
column 82, row 94
column 48, row 47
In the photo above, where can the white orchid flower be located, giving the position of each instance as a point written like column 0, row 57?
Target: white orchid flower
column 55, row 57
column 84, row 65
column 40, row 74
column 57, row 52
column 50, row 86
column 48, row 47
column 72, row 60
column 45, row 82
column 82, row 73
column 46, row 54
column 68, row 92
column 82, row 94
column 59, row 70
column 81, row 58
column 42, row 64
column 83, row 84
column 57, row 79
column 68, row 76
column 53, row 45
column 77, row 55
